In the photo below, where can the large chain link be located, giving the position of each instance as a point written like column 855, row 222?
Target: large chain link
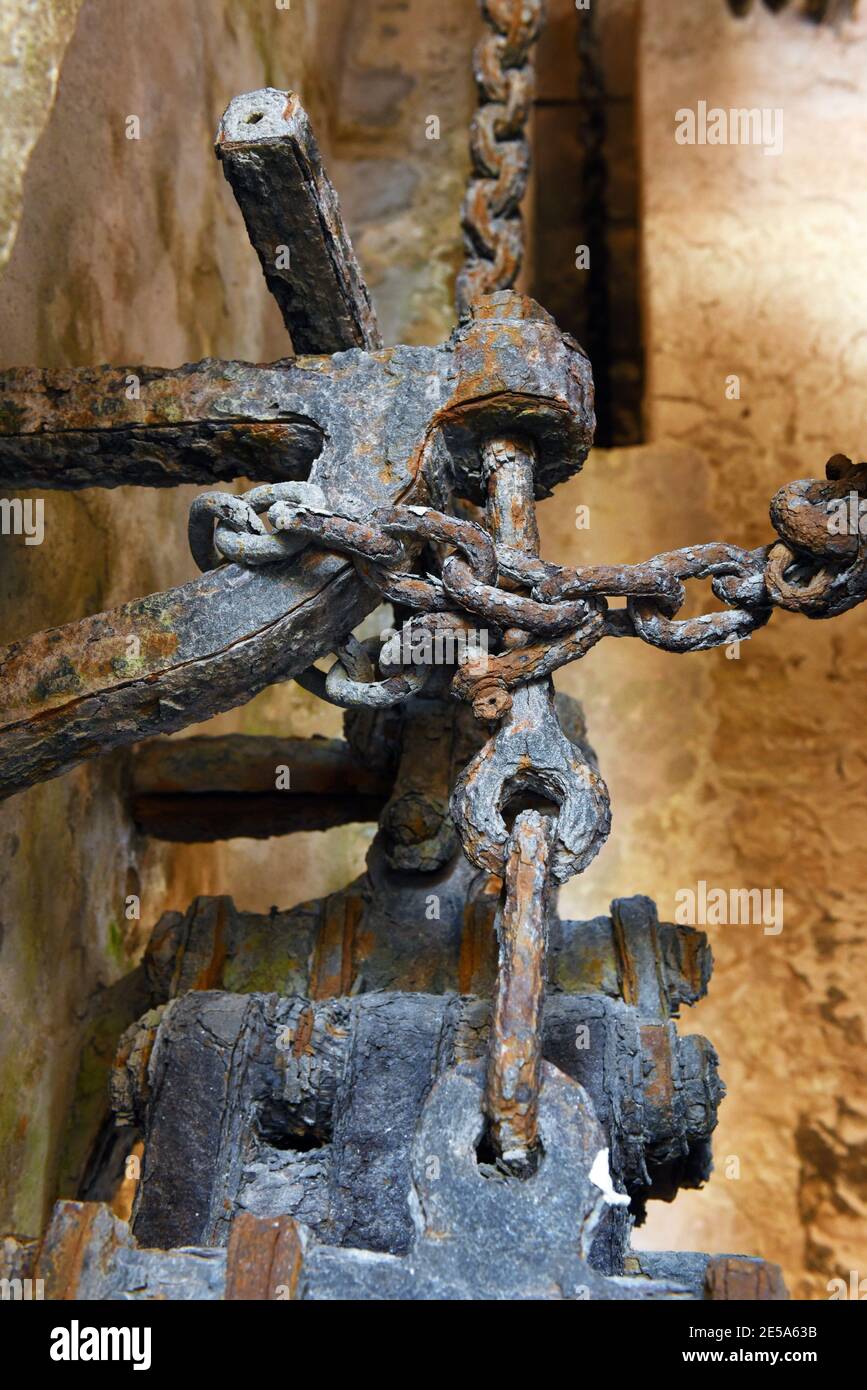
column 491, row 218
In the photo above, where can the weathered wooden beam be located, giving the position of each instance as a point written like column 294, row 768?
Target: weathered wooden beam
column 262, row 1106
column 365, row 424
column 264, row 1259
column 358, row 423
column 204, row 789
column 478, row 1239
column 169, row 660
column 390, row 424
column 392, row 942
column 292, row 214
column 731, row 1278
column 87, row 1253
column 212, row 420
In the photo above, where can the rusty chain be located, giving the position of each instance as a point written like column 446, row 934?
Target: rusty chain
column 550, row 615
column 500, row 154
column 538, row 616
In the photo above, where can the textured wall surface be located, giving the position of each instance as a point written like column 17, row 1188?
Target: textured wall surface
column 748, row 773
column 743, row 773
column 33, row 39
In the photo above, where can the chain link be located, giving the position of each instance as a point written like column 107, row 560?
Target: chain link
column 491, row 217
column 814, row 568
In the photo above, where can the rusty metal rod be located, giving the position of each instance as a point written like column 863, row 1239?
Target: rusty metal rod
column 515, row 1050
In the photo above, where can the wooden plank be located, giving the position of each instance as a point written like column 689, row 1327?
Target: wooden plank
column 160, row 663
column 248, row 763
column 291, row 211
column 264, row 1259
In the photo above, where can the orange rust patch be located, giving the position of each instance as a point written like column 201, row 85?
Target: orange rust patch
column 477, row 962
column 303, row 1033
column 264, row 1258
column 333, row 970
column 211, row 974
column 659, row 1087
column 62, row 1254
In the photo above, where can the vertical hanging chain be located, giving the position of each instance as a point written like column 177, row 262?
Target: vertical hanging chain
column 491, row 218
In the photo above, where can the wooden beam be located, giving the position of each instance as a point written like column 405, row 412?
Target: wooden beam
column 201, row 423
column 205, row 789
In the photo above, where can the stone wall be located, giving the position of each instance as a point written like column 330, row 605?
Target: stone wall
column 749, row 772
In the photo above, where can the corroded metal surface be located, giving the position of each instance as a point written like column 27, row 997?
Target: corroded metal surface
column 167, row 661
column 531, row 754
column 514, row 1065
column 271, row 159
column 345, row 972
column 383, row 445
column 516, row 373
column 214, row 945
column 148, row 427
column 360, row 416
column 320, row 1066
column 286, row 1091
column 478, row 1238
column 493, row 229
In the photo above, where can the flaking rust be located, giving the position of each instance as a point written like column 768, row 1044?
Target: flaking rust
column 514, row 1067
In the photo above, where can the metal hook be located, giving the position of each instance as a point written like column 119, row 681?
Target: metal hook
column 530, row 752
